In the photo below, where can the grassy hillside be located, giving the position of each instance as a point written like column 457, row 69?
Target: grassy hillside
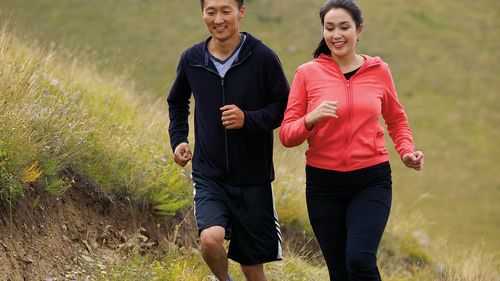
column 59, row 119
column 443, row 55
column 61, row 116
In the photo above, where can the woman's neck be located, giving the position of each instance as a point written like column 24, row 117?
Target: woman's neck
column 348, row 63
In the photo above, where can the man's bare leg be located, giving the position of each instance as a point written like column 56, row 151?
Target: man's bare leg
column 254, row 272
column 213, row 252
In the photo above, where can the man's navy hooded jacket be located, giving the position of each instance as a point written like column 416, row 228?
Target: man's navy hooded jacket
column 257, row 85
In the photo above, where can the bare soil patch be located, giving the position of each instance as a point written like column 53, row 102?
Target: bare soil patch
column 53, row 238
column 44, row 237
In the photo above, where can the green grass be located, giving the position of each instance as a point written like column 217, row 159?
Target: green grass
column 187, row 265
column 443, row 55
column 58, row 119
column 61, row 113
column 405, row 254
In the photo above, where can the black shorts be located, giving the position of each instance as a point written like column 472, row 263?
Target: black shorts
column 246, row 213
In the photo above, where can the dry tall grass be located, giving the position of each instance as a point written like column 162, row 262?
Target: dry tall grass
column 58, row 115
column 59, row 118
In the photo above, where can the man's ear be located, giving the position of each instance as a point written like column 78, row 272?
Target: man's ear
column 242, row 11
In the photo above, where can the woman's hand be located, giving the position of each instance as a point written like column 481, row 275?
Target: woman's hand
column 327, row 109
column 414, row 160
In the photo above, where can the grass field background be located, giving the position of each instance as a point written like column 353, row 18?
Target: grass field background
column 443, row 55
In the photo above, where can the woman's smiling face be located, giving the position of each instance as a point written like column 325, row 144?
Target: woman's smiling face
column 340, row 32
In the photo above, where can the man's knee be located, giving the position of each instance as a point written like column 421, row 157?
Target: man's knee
column 252, row 268
column 212, row 237
column 253, row 272
column 360, row 262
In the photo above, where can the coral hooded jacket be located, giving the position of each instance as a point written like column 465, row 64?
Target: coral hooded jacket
column 355, row 139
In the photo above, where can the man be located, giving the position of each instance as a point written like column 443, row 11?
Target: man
column 240, row 94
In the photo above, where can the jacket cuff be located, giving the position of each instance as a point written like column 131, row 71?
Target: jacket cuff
column 176, row 143
column 303, row 131
column 403, row 152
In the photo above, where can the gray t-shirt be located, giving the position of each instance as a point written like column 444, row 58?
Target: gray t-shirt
column 224, row 66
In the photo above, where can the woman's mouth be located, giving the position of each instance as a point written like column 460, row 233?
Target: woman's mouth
column 339, row 45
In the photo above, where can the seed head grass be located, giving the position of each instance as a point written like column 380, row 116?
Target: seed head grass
column 68, row 115
column 55, row 122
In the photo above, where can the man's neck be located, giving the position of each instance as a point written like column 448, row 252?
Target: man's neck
column 223, row 49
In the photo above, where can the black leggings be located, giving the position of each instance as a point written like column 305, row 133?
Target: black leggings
column 348, row 212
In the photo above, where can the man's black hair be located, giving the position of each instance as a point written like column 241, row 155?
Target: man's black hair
column 240, row 3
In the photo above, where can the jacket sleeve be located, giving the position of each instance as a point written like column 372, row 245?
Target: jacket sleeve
column 270, row 116
column 395, row 117
column 293, row 130
column 178, row 106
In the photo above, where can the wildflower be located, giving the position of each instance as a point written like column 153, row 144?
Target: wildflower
column 441, row 268
column 164, row 159
column 31, row 173
column 421, row 237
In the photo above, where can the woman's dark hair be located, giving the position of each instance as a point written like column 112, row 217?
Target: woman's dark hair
column 350, row 6
column 240, row 3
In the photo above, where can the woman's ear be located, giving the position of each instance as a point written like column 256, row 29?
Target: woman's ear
column 359, row 30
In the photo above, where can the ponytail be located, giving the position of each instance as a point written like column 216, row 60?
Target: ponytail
column 322, row 49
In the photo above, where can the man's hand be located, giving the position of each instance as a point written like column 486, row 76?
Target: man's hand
column 182, row 154
column 232, row 117
column 414, row 160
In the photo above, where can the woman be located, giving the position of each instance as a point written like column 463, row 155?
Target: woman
column 335, row 104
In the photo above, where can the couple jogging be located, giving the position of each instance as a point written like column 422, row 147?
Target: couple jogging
column 336, row 100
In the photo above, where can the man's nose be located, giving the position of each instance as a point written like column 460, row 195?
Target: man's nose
column 219, row 18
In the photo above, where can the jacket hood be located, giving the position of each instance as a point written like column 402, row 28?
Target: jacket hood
column 198, row 54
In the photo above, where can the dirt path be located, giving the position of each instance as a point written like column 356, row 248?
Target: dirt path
column 53, row 238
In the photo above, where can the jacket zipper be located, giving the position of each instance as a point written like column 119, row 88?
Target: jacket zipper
column 224, row 100
column 348, row 126
column 226, row 139
column 350, row 102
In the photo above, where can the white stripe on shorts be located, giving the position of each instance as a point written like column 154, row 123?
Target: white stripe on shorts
column 278, row 229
